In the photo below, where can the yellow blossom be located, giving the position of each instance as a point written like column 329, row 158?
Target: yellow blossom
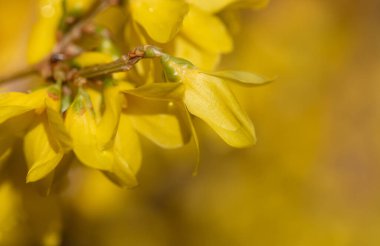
column 161, row 19
column 38, row 116
column 207, row 96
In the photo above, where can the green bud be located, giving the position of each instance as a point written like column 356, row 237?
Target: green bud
column 174, row 67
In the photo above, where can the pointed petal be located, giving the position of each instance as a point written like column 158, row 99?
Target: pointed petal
column 15, row 103
column 207, row 31
column 165, row 91
column 127, row 151
column 55, row 120
column 203, row 59
column 194, row 137
column 210, row 99
column 109, row 122
column 40, row 153
column 11, row 130
column 245, row 78
column 161, row 19
column 81, row 125
column 162, row 129
column 160, row 121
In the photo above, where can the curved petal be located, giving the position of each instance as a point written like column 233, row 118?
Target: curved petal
column 163, row 91
column 244, row 78
column 127, row 152
column 203, row 59
column 14, row 103
column 161, row 19
column 162, row 122
column 40, row 153
column 162, row 129
column 207, row 31
column 55, row 120
column 109, row 122
column 210, row 99
column 81, row 125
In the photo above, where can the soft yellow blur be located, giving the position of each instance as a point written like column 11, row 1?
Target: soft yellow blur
column 313, row 177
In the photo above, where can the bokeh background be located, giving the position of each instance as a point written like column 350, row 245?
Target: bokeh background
column 312, row 179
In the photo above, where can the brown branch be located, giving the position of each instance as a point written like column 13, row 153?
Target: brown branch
column 74, row 32
column 124, row 63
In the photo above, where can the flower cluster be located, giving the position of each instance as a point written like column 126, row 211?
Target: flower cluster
column 94, row 102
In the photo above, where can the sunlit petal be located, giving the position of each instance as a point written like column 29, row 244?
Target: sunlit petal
column 244, row 78
column 210, row 99
column 81, row 125
column 15, row 103
column 127, row 151
column 207, row 31
column 161, row 19
column 41, row 153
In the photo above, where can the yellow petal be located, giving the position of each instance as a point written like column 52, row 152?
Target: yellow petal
column 127, row 151
column 207, row 31
column 41, row 153
column 245, row 78
column 159, row 121
column 203, row 59
column 81, row 125
column 161, row 19
column 96, row 99
column 162, row 129
column 55, row 120
column 43, row 36
column 210, row 99
column 15, row 103
column 110, row 119
column 161, row 91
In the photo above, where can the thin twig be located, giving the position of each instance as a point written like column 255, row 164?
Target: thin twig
column 75, row 31
column 124, row 63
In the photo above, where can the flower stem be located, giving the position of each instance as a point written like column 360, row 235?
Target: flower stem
column 124, row 63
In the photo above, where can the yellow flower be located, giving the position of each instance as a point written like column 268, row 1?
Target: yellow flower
column 161, row 19
column 207, row 96
column 37, row 115
column 104, row 141
column 204, row 37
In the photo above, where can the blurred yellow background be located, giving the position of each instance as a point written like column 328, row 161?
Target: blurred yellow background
column 312, row 178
